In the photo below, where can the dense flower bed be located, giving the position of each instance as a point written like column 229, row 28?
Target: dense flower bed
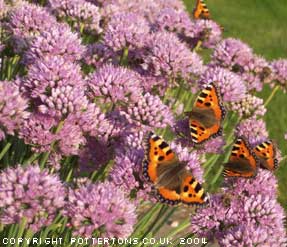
column 82, row 82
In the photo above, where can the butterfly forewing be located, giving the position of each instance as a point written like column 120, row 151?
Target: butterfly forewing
column 242, row 162
column 169, row 176
column 201, row 11
column 266, row 153
column 207, row 114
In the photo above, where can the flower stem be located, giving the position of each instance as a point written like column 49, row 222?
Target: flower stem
column 275, row 89
column 5, row 149
column 46, row 155
column 33, row 157
column 124, row 57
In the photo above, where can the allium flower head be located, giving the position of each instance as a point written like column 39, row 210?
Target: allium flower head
column 51, row 72
column 248, row 187
column 101, row 208
column 245, row 206
column 70, row 138
column 147, row 8
column 127, row 174
column 93, row 155
column 279, row 72
column 172, row 20
column 27, row 21
column 249, row 106
column 57, row 40
column 30, row 193
column 63, row 100
column 3, row 9
column 78, row 13
column 13, row 108
column 214, row 145
column 191, row 159
column 253, row 129
column 92, row 121
column 207, row 31
column 149, row 110
column 115, row 84
column 37, row 131
column 166, row 56
column 256, row 72
column 126, row 30
column 98, row 54
column 232, row 54
column 231, row 86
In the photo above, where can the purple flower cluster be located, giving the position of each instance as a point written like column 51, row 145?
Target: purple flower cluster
column 206, row 31
column 26, row 22
column 126, row 30
column 232, row 87
column 245, row 214
column 13, row 108
column 30, row 194
column 58, row 40
column 166, row 56
column 80, row 14
column 100, row 209
column 279, row 72
column 254, row 70
column 249, row 106
column 253, row 129
column 97, row 75
column 115, row 84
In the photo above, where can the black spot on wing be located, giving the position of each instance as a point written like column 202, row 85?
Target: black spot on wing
column 163, row 145
column 197, row 188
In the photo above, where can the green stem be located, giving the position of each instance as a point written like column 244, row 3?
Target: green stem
column 275, row 89
column 47, row 154
column 284, row 158
column 124, row 57
column 5, row 149
column 198, row 45
column 30, row 160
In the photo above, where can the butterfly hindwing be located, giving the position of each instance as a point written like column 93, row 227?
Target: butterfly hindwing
column 173, row 183
column 242, row 162
column 207, row 114
column 266, row 153
column 201, row 11
column 191, row 191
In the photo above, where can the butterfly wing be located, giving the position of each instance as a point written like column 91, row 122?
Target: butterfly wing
column 207, row 114
column 266, row 153
column 162, row 167
column 242, row 162
column 157, row 153
column 191, row 192
column 201, row 11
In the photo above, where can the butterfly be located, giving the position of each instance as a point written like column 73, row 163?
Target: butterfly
column 201, row 11
column 243, row 162
column 266, row 153
column 173, row 182
column 206, row 116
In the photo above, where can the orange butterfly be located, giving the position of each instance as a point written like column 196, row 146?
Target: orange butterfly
column 242, row 162
column 207, row 114
column 201, row 11
column 174, row 184
column 266, row 153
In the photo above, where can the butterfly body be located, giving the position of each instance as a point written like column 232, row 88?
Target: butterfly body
column 242, row 162
column 266, row 153
column 173, row 182
column 201, row 11
column 207, row 114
